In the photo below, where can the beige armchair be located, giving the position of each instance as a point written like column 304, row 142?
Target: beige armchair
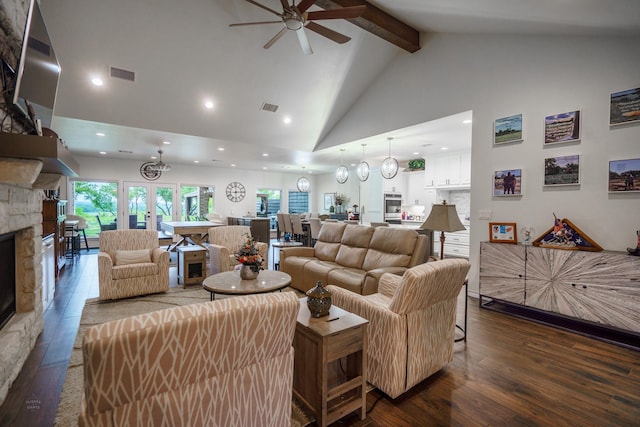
column 223, row 363
column 411, row 323
column 225, row 242
column 131, row 263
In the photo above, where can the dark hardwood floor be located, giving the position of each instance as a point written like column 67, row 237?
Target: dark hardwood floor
column 510, row 372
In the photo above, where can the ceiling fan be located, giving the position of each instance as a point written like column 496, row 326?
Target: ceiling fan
column 296, row 18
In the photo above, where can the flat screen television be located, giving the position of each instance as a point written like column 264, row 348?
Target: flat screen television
column 31, row 88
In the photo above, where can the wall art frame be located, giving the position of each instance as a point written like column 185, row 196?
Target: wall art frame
column 507, row 183
column 562, row 170
column 507, row 130
column 624, row 107
column 561, row 128
column 503, row 232
column 329, row 200
column 624, row 176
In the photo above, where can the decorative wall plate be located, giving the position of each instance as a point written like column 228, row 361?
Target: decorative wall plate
column 235, row 192
column 148, row 173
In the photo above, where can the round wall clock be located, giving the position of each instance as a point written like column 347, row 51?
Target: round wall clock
column 235, row 192
column 148, row 173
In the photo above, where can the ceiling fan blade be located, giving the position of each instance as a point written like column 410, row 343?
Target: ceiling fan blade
column 328, row 33
column 304, row 42
column 304, row 5
column 285, row 5
column 255, row 3
column 239, row 24
column 275, row 38
column 342, row 13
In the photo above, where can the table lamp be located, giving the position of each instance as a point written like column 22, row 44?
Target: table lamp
column 444, row 218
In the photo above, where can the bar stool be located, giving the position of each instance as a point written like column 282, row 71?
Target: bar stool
column 72, row 238
column 82, row 225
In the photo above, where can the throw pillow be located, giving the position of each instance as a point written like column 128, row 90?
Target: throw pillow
column 133, row 257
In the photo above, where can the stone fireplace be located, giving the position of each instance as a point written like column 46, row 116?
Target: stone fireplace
column 21, row 213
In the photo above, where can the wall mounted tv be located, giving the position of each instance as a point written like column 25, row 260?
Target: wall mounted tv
column 30, row 90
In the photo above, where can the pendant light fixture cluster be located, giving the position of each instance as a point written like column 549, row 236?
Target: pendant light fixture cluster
column 388, row 169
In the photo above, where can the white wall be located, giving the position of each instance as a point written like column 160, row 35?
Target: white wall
column 127, row 170
column 497, row 76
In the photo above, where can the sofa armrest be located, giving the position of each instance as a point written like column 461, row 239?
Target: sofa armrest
column 371, row 280
column 218, row 259
column 105, row 266
column 388, row 284
column 160, row 256
column 263, row 250
column 303, row 251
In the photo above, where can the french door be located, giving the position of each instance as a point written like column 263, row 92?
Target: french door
column 146, row 205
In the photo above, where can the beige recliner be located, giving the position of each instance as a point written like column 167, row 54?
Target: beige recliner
column 224, row 244
column 412, row 321
column 131, row 263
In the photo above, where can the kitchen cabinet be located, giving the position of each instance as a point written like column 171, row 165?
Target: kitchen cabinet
column 48, row 270
column 448, row 170
column 54, row 213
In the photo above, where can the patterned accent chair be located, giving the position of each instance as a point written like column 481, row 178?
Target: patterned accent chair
column 227, row 362
column 131, row 263
column 412, row 322
column 225, row 242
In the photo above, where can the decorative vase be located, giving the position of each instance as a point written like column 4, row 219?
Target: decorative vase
column 247, row 272
column 319, row 300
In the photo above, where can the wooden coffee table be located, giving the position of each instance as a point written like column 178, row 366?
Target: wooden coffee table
column 230, row 283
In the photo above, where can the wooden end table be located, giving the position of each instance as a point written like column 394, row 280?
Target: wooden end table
column 230, row 283
column 330, row 368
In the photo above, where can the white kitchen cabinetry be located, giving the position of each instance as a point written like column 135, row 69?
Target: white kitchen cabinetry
column 414, row 191
column 448, row 170
column 456, row 244
column 48, row 270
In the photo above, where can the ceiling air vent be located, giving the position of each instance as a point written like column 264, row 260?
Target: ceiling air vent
column 269, row 107
column 119, row 73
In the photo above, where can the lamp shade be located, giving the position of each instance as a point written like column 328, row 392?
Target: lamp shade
column 443, row 217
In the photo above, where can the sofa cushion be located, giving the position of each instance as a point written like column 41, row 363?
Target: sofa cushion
column 354, row 245
column 347, row 278
column 328, row 243
column 390, row 247
column 134, row 270
column 138, row 256
column 317, row 271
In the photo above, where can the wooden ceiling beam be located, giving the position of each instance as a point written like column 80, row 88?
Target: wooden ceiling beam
column 378, row 22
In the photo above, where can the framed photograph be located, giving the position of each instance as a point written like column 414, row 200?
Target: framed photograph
column 563, row 127
column 562, row 170
column 624, row 107
column 329, row 200
column 507, row 130
column 503, row 232
column 507, row 183
column 624, row 175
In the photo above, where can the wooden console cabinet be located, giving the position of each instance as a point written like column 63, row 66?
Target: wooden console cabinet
column 54, row 213
column 599, row 288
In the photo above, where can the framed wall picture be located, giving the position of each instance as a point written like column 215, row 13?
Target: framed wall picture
column 624, row 107
column 503, row 232
column 562, row 170
column 329, row 200
column 563, row 127
column 507, row 183
column 624, row 175
column 507, row 130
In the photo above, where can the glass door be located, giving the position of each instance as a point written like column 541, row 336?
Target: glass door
column 147, row 205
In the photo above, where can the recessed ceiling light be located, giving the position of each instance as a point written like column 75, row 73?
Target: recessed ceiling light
column 287, row 120
column 415, row 153
column 352, row 165
column 264, row 168
column 166, row 142
column 467, row 121
column 196, row 161
column 97, row 81
column 444, row 148
column 99, row 133
column 208, row 104
column 233, row 165
column 265, row 154
column 153, row 157
column 220, row 148
column 103, row 152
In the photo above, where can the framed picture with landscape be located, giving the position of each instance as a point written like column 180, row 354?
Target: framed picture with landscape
column 624, row 175
column 507, row 130
column 507, row 183
column 563, row 127
column 562, row 170
column 624, row 107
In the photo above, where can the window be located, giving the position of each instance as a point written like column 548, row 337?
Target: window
column 298, row 202
column 196, row 202
column 96, row 202
column 272, row 206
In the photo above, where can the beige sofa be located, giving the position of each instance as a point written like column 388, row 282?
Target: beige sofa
column 223, row 363
column 131, row 263
column 353, row 257
column 411, row 323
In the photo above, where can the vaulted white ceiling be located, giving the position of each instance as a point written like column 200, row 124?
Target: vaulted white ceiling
column 183, row 53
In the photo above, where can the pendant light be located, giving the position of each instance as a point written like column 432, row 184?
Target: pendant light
column 342, row 173
column 303, row 183
column 363, row 168
column 389, row 168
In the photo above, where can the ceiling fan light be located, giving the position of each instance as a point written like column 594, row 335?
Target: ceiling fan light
column 293, row 23
column 363, row 171
column 160, row 166
column 303, row 184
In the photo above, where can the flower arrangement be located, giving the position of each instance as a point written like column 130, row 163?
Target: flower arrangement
column 248, row 254
column 341, row 199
